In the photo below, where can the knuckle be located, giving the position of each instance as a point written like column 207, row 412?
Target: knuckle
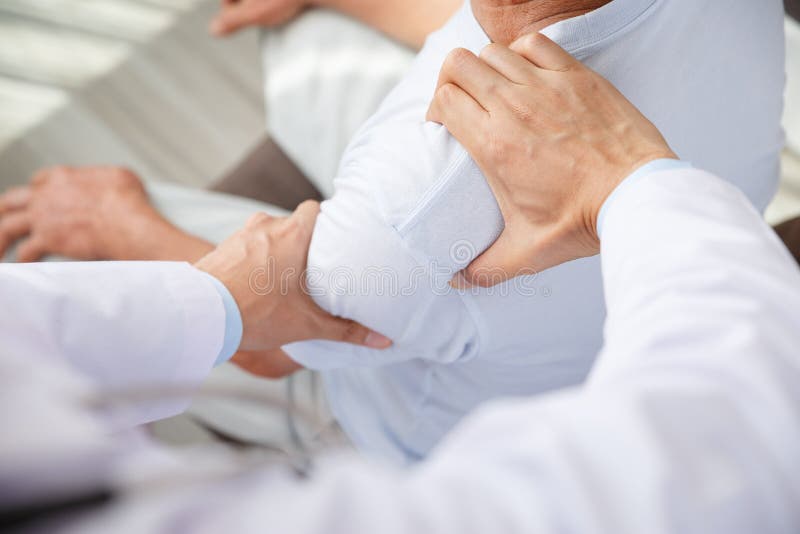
column 458, row 57
column 490, row 50
column 256, row 219
column 536, row 40
column 526, row 43
column 446, row 93
column 521, row 108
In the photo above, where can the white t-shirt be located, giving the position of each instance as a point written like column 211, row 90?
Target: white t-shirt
column 411, row 208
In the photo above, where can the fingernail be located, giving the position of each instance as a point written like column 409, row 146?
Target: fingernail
column 459, row 281
column 375, row 340
column 215, row 27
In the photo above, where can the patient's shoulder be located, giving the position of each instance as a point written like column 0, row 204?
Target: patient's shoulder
column 417, row 177
column 422, row 184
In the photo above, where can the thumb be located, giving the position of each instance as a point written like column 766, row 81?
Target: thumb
column 499, row 263
column 231, row 18
column 346, row 331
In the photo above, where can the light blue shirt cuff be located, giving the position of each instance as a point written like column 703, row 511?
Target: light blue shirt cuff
column 233, row 323
column 658, row 165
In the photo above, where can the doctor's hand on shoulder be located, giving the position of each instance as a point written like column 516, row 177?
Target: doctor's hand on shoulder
column 264, row 268
column 553, row 139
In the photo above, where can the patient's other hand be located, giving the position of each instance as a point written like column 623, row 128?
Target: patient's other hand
column 237, row 14
column 80, row 213
column 90, row 213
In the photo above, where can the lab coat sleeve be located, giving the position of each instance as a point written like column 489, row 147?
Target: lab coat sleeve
column 688, row 424
column 120, row 325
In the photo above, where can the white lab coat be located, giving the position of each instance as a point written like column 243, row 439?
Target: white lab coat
column 118, row 324
column 689, row 423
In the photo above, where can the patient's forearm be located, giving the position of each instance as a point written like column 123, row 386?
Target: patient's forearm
column 408, row 21
column 159, row 240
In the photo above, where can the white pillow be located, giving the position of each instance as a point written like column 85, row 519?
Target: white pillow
column 325, row 74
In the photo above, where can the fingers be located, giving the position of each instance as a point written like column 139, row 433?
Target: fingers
column 499, row 263
column 13, row 227
column 509, row 63
column 543, row 52
column 463, row 117
column 268, row 364
column 15, row 198
column 257, row 219
column 47, row 174
column 31, row 250
column 232, row 17
column 345, row 331
column 306, row 215
column 475, row 77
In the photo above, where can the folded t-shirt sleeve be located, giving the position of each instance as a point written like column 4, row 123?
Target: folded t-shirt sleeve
column 361, row 268
column 389, row 241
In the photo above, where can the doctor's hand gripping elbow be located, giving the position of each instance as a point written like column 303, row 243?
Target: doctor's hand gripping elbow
column 263, row 267
column 532, row 110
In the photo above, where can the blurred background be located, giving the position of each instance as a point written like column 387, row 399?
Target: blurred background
column 140, row 83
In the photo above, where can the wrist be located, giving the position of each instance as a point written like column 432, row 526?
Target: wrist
column 662, row 162
column 178, row 245
column 146, row 235
column 129, row 238
column 256, row 308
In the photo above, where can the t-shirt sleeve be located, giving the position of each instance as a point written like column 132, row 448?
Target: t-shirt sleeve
column 389, row 241
column 361, row 268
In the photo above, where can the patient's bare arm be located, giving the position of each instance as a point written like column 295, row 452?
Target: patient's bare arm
column 408, row 21
column 90, row 213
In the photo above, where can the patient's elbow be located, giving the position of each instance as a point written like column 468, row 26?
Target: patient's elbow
column 346, row 282
column 358, row 268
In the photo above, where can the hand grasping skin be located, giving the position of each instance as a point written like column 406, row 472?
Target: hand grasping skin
column 263, row 266
column 553, row 139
